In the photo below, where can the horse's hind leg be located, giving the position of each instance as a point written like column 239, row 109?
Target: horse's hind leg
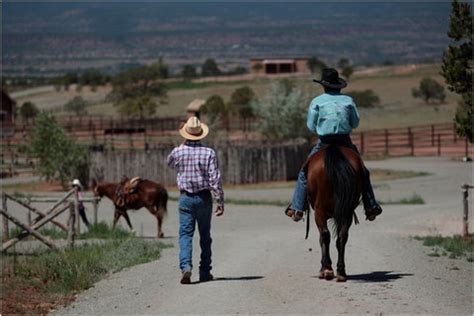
column 342, row 238
column 116, row 218
column 158, row 213
column 326, row 271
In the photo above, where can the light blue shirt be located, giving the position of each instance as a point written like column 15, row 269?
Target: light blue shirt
column 332, row 113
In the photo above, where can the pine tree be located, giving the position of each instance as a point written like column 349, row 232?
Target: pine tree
column 457, row 65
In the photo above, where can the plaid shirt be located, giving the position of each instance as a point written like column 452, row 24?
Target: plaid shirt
column 197, row 170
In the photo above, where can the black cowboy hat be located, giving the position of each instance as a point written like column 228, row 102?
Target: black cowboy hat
column 330, row 78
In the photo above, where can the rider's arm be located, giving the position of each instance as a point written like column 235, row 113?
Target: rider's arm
column 215, row 179
column 354, row 116
column 313, row 115
column 171, row 159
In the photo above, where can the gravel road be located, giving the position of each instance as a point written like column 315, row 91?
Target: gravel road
column 263, row 265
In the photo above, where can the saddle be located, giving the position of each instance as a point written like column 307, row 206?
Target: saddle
column 125, row 189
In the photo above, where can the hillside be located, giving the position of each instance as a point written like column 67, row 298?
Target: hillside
column 55, row 37
column 393, row 84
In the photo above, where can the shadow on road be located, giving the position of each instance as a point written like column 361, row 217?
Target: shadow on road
column 377, row 276
column 242, row 278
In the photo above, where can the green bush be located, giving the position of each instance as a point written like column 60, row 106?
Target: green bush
column 365, row 98
column 428, row 90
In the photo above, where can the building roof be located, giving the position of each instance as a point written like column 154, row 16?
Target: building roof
column 278, row 61
column 195, row 105
column 5, row 96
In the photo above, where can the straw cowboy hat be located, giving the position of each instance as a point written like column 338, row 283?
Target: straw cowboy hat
column 330, row 78
column 77, row 183
column 194, row 129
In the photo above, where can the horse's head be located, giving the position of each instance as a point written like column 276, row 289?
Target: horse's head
column 96, row 189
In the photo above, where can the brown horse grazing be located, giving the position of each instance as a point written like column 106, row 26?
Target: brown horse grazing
column 147, row 194
column 335, row 175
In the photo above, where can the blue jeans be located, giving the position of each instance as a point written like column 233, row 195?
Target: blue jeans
column 299, row 200
column 192, row 208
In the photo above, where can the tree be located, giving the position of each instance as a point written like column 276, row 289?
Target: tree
column 210, row 68
column 136, row 87
column 93, row 78
column 347, row 72
column 257, row 67
column 365, row 98
column 215, row 108
column 282, row 115
column 189, row 72
column 76, row 105
column 315, row 64
column 343, row 62
column 237, row 70
column 346, row 68
column 60, row 157
column 240, row 102
column 28, row 110
column 429, row 89
column 457, row 66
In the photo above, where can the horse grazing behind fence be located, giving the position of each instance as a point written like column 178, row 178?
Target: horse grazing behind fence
column 335, row 176
column 147, row 194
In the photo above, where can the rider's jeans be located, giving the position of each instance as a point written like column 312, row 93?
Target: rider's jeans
column 195, row 208
column 300, row 195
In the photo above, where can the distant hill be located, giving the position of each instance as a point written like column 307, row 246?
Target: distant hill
column 59, row 36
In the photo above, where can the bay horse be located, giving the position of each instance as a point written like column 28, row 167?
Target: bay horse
column 148, row 194
column 335, row 179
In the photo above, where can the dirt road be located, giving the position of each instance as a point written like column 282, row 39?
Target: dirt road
column 263, row 264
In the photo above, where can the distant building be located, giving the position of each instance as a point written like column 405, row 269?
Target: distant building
column 268, row 66
column 7, row 114
column 194, row 107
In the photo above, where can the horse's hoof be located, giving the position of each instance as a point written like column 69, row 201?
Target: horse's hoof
column 341, row 278
column 161, row 235
column 321, row 275
column 328, row 275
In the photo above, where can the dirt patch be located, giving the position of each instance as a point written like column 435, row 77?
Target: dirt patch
column 21, row 298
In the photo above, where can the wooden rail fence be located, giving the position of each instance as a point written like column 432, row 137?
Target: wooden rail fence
column 43, row 217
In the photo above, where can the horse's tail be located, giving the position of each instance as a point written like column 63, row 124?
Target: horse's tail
column 162, row 199
column 344, row 184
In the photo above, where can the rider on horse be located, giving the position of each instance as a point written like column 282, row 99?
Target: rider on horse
column 332, row 116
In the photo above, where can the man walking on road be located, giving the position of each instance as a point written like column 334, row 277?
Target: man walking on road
column 198, row 176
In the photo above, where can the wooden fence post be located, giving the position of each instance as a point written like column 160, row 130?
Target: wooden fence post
column 94, row 209
column 432, row 135
column 465, row 203
column 439, row 144
column 6, row 233
column 76, row 210
column 466, row 147
column 71, row 224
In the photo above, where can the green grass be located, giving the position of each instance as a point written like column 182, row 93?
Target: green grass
column 96, row 231
column 453, row 247
column 415, row 199
column 70, row 270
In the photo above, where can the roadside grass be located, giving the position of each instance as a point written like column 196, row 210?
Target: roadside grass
column 415, row 199
column 52, row 277
column 452, row 247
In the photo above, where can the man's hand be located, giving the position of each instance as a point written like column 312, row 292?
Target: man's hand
column 219, row 210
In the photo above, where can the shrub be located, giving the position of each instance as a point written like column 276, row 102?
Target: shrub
column 365, row 98
column 282, row 113
column 429, row 89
